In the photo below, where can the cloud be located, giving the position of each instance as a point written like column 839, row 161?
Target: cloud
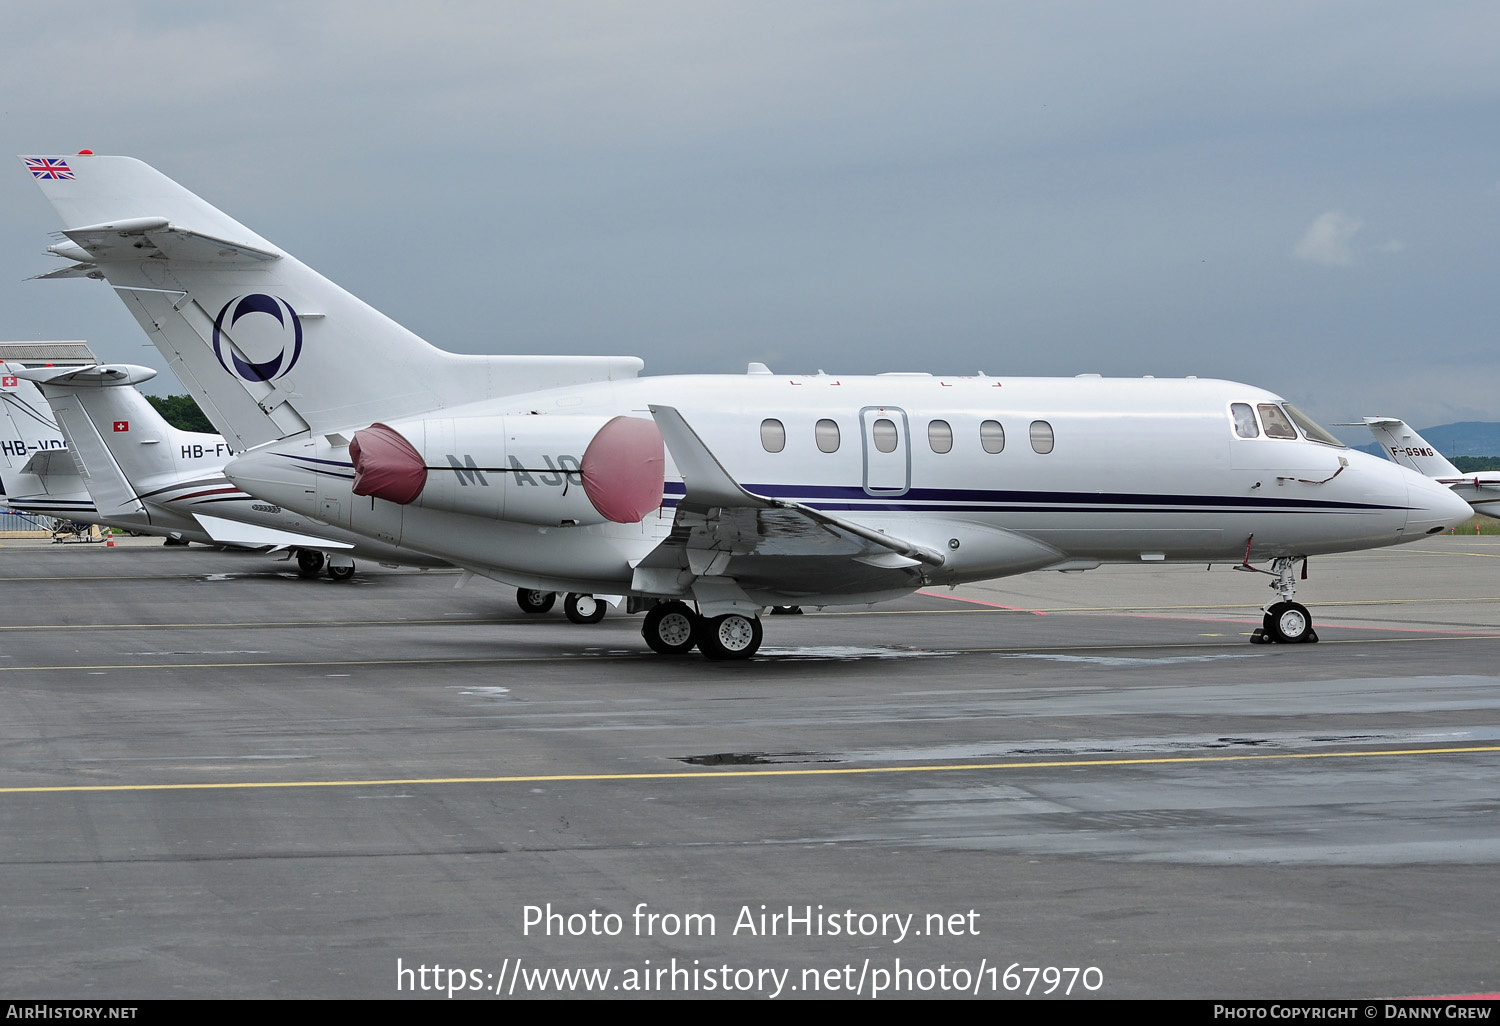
column 1328, row 240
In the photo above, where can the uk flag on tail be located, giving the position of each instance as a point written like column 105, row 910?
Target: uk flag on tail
column 48, row 167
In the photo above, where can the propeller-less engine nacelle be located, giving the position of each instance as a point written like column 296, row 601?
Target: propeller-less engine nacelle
column 536, row 469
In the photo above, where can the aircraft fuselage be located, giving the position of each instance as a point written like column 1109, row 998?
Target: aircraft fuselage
column 1001, row 475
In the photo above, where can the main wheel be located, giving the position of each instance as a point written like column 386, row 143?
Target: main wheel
column 671, row 628
column 1289, row 623
column 583, row 608
column 731, row 636
column 309, row 562
column 341, row 573
column 533, row 601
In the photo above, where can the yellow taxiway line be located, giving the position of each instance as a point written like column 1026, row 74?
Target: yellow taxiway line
column 712, row 774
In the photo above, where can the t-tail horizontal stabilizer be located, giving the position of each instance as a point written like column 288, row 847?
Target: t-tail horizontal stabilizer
column 267, row 346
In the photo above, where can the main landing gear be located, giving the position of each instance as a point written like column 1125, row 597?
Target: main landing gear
column 311, row 562
column 578, row 607
column 534, row 602
column 584, row 608
column 1285, row 621
column 673, row 628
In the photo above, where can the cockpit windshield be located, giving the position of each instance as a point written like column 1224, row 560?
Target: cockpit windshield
column 1311, row 428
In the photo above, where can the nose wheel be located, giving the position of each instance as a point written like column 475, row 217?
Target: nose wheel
column 1285, row 622
column 1288, row 623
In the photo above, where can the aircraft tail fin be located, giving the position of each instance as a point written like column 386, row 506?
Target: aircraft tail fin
column 26, row 422
column 1409, row 449
column 113, row 427
column 93, row 434
column 266, row 345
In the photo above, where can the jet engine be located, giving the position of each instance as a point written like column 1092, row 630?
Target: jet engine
column 530, row 468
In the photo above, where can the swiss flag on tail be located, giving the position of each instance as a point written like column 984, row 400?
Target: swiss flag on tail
column 8, row 381
column 122, row 425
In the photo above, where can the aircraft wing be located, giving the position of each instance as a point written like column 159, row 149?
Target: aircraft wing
column 249, row 536
column 729, row 548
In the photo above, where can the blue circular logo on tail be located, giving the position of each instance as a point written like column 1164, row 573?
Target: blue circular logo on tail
column 258, row 310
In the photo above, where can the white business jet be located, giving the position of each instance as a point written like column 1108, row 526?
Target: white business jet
column 146, row 476
column 1481, row 490
column 706, row 499
column 38, row 476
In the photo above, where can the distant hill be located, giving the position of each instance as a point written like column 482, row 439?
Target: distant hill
column 1466, row 438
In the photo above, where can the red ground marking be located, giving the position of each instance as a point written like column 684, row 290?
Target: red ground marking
column 981, row 602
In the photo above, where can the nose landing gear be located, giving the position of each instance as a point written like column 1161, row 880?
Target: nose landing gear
column 1285, row 622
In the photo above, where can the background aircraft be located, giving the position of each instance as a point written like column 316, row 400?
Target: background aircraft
column 146, row 476
column 1481, row 490
column 37, row 473
column 553, row 473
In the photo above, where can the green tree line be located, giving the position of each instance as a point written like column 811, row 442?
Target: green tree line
column 1474, row 464
column 182, row 412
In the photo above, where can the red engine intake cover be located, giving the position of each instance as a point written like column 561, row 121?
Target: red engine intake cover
column 386, row 465
column 624, row 468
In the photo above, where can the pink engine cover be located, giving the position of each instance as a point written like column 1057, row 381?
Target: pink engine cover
column 623, row 469
column 386, row 465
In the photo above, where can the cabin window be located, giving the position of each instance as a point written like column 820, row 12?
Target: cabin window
column 772, row 435
column 884, row 434
column 827, row 433
column 1314, row 431
column 992, row 436
column 1277, row 426
column 1244, row 420
column 1041, row 436
column 940, row 436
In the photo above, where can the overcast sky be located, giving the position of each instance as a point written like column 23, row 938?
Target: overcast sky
column 1303, row 196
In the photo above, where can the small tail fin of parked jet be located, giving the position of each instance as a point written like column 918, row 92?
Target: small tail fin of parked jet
column 37, row 472
column 1481, row 490
column 155, row 478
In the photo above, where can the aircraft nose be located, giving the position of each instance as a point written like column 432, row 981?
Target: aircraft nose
column 1433, row 507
